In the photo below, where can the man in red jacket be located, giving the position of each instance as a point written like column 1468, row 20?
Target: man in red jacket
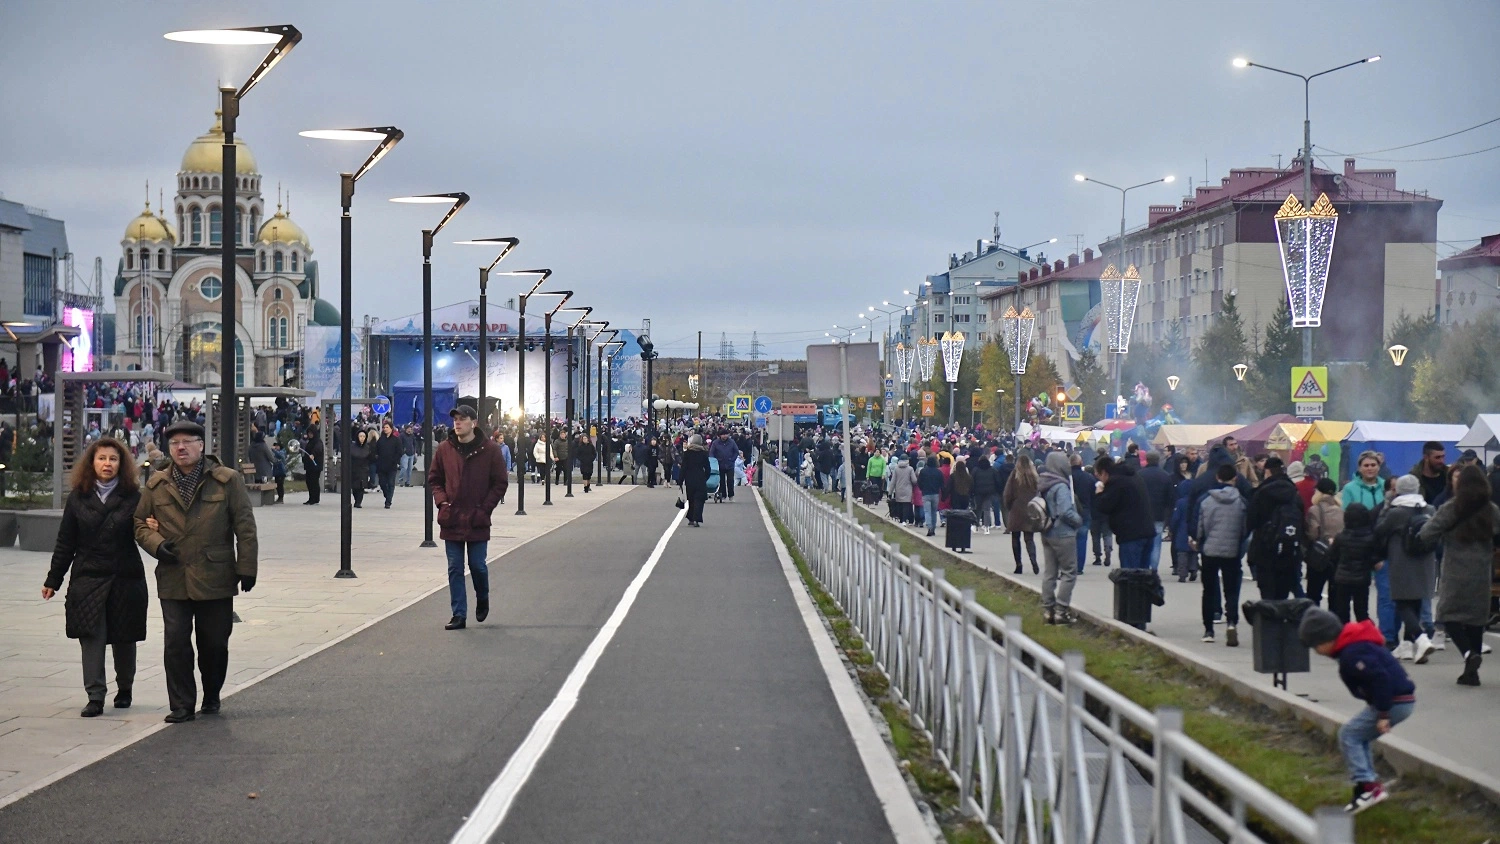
column 467, row 479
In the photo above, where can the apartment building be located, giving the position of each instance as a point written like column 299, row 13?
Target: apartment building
column 1470, row 284
column 954, row 300
column 1064, row 298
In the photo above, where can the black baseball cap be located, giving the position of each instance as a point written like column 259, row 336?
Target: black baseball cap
column 463, row 410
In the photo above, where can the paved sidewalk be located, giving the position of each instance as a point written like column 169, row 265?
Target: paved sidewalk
column 296, row 608
column 1442, row 705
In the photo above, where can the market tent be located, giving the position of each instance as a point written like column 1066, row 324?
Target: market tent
column 1326, row 440
column 1183, row 436
column 1483, row 436
column 1056, row 434
column 1286, row 436
column 1401, row 442
column 1253, row 437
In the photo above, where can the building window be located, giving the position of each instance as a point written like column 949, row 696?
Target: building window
column 144, row 330
column 960, row 317
column 215, row 226
column 197, row 226
column 938, row 298
column 961, row 300
column 276, row 332
column 276, row 264
column 37, row 271
column 161, row 260
column 939, row 317
column 277, row 294
column 983, row 317
column 210, row 288
column 294, row 262
column 254, row 221
column 262, row 262
column 129, row 260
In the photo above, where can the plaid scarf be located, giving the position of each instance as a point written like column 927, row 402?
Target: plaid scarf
column 187, row 484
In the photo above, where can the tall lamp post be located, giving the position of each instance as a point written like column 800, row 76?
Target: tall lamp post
column 1306, row 236
column 547, row 382
column 509, row 243
column 454, row 201
column 568, row 406
column 952, row 345
column 904, row 359
column 521, row 382
column 284, row 37
column 1018, row 328
column 649, row 355
column 1122, row 288
column 590, row 389
column 387, row 138
column 609, row 374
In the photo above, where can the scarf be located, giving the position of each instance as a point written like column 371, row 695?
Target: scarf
column 187, row 484
column 104, row 488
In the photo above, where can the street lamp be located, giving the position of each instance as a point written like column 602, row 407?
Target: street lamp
column 590, row 389
column 547, row 381
column 649, row 355
column 952, row 345
column 509, row 244
column 568, row 406
column 1120, row 292
column 926, row 357
column 521, row 381
column 1172, row 382
column 284, row 37
column 1398, row 354
column 1305, row 234
column 1239, row 371
column 454, row 201
column 387, row 138
column 1017, row 336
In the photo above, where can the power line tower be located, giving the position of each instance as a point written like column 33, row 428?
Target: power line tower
column 726, row 354
column 756, row 350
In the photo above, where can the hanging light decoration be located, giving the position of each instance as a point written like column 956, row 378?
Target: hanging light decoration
column 953, row 354
column 1018, row 328
column 903, row 362
column 926, row 357
column 1172, row 382
column 1120, row 294
column 1306, row 239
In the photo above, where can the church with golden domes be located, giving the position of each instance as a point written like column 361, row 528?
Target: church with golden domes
column 168, row 289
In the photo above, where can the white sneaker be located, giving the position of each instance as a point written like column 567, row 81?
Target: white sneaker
column 1484, row 649
column 1405, row 650
column 1440, row 641
column 1422, row 649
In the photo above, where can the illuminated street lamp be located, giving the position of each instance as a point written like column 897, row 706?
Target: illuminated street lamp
column 1018, row 328
column 283, row 37
column 509, row 244
column 952, row 345
column 1398, row 354
column 926, row 358
column 1239, row 371
column 388, row 137
column 1172, row 382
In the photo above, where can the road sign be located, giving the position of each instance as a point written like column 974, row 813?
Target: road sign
column 929, row 403
column 1073, row 392
column 741, row 406
column 1310, row 383
column 1073, row 411
column 976, row 403
column 773, row 369
column 1310, row 408
column 806, row 409
column 890, row 396
column 860, row 402
column 890, row 383
column 762, row 405
column 381, row 405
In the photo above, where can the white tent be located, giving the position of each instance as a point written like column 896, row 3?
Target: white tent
column 1483, row 436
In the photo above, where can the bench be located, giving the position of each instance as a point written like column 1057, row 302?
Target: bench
column 261, row 495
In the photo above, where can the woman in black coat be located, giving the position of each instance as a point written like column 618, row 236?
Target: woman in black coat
column 106, row 598
column 585, row 452
column 695, row 472
column 361, row 456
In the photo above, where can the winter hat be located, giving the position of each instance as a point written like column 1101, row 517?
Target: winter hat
column 1318, row 626
column 1057, row 463
column 1296, row 471
column 1408, row 485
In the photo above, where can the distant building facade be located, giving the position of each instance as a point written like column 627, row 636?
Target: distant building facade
column 1470, row 284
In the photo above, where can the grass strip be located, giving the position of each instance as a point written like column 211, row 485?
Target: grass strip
column 1290, row 756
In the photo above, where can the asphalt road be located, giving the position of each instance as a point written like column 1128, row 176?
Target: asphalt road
column 707, row 718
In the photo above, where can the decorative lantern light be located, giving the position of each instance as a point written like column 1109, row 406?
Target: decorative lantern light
column 1120, row 294
column 1306, row 239
column 1398, row 354
column 1018, row 328
column 926, row 357
column 693, row 385
column 903, row 362
column 1172, row 382
column 1239, row 371
column 953, row 354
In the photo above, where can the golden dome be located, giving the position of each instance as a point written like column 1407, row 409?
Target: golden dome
column 281, row 229
column 206, row 153
column 149, row 226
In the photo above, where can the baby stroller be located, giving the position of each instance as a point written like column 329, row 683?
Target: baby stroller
column 713, row 480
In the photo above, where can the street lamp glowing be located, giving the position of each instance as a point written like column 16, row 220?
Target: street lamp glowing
column 432, row 199
column 1239, row 62
column 1306, row 239
column 1079, row 177
column 952, row 345
column 1239, row 371
column 1172, row 382
column 228, row 37
column 1398, row 354
column 1169, row 178
column 344, row 134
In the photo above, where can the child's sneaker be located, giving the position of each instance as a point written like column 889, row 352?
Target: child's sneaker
column 1366, row 794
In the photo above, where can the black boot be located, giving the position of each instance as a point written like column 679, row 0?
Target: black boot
column 1470, row 677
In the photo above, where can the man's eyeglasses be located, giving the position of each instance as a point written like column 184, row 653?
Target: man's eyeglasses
column 183, row 443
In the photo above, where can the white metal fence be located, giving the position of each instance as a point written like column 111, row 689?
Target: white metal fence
column 1040, row 750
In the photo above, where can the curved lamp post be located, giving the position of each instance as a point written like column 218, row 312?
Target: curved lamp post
column 387, row 138
column 521, row 383
column 547, row 381
column 454, row 201
column 1018, row 328
column 568, row 405
column 284, row 37
column 508, row 244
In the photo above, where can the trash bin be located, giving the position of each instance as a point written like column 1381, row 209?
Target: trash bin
column 1276, row 648
column 1135, row 591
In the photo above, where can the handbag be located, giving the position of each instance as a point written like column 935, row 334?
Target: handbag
column 680, row 503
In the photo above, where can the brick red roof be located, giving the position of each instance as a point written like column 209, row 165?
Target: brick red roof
column 1487, row 252
column 1272, row 185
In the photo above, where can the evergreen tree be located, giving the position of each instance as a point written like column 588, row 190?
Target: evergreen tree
column 1270, row 379
column 1217, row 395
column 1462, row 378
column 1089, row 377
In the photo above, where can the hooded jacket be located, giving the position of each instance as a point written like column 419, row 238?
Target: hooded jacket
column 1354, row 555
column 1370, row 672
column 1056, row 490
column 1124, row 503
column 1412, row 577
column 1359, row 492
column 1273, row 493
column 903, row 480
column 1206, row 481
column 1221, row 523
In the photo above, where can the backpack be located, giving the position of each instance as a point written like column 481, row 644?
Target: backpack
column 1413, row 544
column 1281, row 538
column 1038, row 516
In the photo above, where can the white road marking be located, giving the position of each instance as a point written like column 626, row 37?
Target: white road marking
column 486, row 818
column 906, row 821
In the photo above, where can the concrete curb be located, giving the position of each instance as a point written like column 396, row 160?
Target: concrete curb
column 1407, row 758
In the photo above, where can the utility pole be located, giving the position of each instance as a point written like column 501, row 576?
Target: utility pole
column 701, row 386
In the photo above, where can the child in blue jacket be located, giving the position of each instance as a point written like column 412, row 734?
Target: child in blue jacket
column 1374, row 676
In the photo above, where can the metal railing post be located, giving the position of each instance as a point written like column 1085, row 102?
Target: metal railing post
column 968, row 696
column 937, row 682
column 1070, row 796
column 913, row 637
column 1166, row 816
column 1010, row 735
column 1335, row 826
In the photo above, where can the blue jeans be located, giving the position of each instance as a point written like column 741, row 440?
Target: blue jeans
column 1133, row 554
column 478, row 570
column 1083, row 546
column 1385, row 607
column 930, row 510
column 1355, row 737
column 408, row 461
column 1155, row 555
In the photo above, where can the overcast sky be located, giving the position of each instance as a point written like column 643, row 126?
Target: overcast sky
column 727, row 167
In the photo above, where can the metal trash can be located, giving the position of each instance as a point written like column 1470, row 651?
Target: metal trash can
column 1275, row 646
column 1135, row 591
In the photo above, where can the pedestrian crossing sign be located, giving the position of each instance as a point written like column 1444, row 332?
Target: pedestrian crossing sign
column 1073, row 411
column 741, row 406
column 1309, row 383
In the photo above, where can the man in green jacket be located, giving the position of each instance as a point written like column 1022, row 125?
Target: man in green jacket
column 195, row 519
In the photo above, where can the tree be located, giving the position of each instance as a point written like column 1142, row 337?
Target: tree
column 1270, row 378
column 1088, row 377
column 1041, row 378
column 1462, row 379
column 968, row 379
column 1217, row 394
